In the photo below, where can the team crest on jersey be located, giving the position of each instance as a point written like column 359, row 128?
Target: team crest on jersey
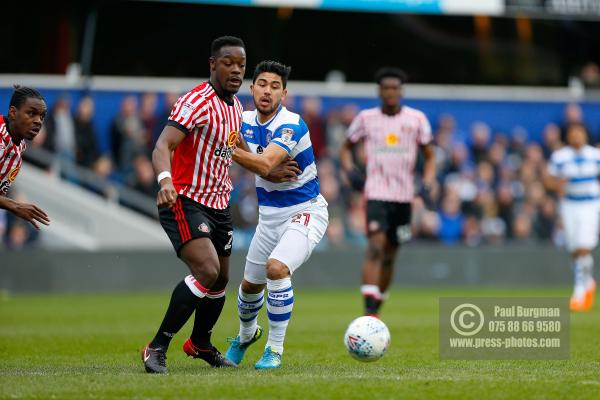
column 186, row 110
column 286, row 135
column 268, row 137
column 232, row 138
column 12, row 175
column 391, row 139
column 203, row 228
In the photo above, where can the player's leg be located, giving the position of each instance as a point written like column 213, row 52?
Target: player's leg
column 585, row 241
column 200, row 257
column 295, row 246
column 372, row 271
column 195, row 248
column 398, row 232
column 209, row 310
column 576, row 222
column 250, row 293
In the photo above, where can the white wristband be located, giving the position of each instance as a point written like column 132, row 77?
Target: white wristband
column 163, row 175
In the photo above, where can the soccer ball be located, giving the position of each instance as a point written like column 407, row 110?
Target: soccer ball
column 367, row 338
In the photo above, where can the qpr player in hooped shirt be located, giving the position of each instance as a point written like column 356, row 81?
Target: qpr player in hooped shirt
column 293, row 214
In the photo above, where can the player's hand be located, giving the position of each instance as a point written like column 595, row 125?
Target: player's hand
column 31, row 213
column 287, row 171
column 167, row 195
column 561, row 187
column 357, row 178
column 426, row 196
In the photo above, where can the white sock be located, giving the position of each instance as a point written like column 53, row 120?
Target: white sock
column 579, row 277
column 249, row 304
column 280, row 302
column 587, row 263
column 371, row 290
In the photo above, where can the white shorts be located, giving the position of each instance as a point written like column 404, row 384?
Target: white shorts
column 288, row 235
column 580, row 219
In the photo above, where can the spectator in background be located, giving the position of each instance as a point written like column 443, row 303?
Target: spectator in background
column 60, row 130
column 480, row 139
column 451, row 219
column 590, row 75
column 85, row 133
column 143, row 178
column 551, row 139
column 573, row 114
column 311, row 114
column 128, row 136
column 338, row 122
column 149, row 118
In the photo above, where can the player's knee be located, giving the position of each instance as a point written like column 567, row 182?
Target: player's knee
column 249, row 287
column 277, row 269
column 374, row 251
column 205, row 273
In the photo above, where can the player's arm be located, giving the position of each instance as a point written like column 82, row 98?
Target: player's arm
column 261, row 164
column 552, row 178
column 28, row 212
column 428, row 165
column 168, row 140
column 346, row 159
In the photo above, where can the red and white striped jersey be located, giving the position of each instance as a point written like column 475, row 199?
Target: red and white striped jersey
column 391, row 145
column 200, row 164
column 10, row 158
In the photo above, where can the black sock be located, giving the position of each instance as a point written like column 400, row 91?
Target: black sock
column 207, row 313
column 182, row 305
column 372, row 305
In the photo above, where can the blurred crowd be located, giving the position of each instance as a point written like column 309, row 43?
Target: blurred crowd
column 490, row 188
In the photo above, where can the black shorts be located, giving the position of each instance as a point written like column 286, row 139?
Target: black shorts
column 188, row 220
column 391, row 218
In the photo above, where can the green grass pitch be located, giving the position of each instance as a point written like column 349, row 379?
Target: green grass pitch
column 87, row 346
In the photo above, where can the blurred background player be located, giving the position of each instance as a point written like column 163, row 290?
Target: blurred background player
column 194, row 203
column 293, row 214
column 26, row 114
column 392, row 135
column 574, row 171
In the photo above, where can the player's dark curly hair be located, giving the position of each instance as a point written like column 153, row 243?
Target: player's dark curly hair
column 390, row 72
column 22, row 93
column 275, row 67
column 225, row 41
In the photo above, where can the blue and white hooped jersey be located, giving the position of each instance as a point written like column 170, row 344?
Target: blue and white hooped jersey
column 581, row 169
column 289, row 131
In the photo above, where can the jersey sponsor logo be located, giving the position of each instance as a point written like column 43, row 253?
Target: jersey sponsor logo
column 259, row 149
column 286, row 136
column 224, row 152
column 4, row 187
column 186, row 110
column 391, row 139
column 12, row 175
column 232, row 138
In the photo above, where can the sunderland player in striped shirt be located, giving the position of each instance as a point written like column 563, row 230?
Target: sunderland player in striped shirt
column 393, row 134
column 192, row 158
column 26, row 113
column 573, row 173
column 293, row 215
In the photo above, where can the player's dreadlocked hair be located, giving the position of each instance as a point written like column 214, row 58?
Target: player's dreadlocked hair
column 275, row 67
column 390, row 72
column 21, row 94
column 225, row 41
